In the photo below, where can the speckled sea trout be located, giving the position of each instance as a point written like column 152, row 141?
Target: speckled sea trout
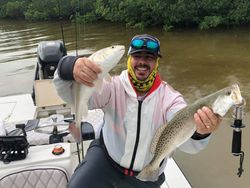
column 182, row 127
column 106, row 58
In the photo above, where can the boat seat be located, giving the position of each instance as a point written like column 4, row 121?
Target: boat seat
column 35, row 177
column 40, row 169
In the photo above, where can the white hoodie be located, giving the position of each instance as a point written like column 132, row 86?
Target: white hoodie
column 128, row 129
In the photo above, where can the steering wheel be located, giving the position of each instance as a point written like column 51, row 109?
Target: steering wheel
column 51, row 124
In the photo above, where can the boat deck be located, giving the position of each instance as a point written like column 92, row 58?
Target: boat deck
column 20, row 109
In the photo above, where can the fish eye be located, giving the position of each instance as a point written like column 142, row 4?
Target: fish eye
column 228, row 92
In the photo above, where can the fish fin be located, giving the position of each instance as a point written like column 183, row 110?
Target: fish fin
column 156, row 138
column 73, row 104
column 171, row 154
column 85, row 110
column 148, row 174
column 108, row 77
column 81, row 108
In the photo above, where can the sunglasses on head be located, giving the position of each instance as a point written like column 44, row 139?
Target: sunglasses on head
column 145, row 43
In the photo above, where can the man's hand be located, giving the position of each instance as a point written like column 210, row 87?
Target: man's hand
column 86, row 71
column 206, row 121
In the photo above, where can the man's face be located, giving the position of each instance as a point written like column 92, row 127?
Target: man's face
column 143, row 64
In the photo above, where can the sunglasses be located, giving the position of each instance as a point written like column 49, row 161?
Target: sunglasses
column 145, row 43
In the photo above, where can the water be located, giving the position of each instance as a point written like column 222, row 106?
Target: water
column 194, row 62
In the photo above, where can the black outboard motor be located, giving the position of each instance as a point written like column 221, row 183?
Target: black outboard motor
column 49, row 54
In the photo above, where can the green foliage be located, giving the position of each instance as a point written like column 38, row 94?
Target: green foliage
column 13, row 9
column 210, row 21
column 166, row 14
column 87, row 13
column 48, row 9
column 87, row 18
column 240, row 13
column 135, row 13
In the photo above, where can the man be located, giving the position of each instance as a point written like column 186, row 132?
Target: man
column 135, row 104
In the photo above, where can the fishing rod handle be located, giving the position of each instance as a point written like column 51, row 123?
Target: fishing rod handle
column 236, row 142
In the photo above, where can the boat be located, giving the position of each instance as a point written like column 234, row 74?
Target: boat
column 36, row 149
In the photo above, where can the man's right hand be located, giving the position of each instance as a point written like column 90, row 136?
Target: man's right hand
column 86, row 71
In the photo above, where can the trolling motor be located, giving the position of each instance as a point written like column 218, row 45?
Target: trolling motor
column 237, row 132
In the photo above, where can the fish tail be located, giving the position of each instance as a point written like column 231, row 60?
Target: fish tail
column 148, row 174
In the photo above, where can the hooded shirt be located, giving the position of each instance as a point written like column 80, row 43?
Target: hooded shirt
column 130, row 124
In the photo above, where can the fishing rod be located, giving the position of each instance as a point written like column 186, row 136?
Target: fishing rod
column 77, row 14
column 76, row 33
column 76, row 36
column 61, row 24
column 237, row 133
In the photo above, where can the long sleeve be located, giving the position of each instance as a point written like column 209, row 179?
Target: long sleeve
column 63, row 78
column 63, row 88
column 65, row 67
column 194, row 146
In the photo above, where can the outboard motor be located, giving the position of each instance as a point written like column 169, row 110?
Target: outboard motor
column 49, row 54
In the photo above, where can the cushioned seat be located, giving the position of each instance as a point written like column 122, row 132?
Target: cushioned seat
column 35, row 177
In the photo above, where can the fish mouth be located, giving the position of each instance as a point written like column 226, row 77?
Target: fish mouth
column 236, row 95
column 243, row 102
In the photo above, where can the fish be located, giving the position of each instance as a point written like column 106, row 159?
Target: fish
column 107, row 58
column 181, row 127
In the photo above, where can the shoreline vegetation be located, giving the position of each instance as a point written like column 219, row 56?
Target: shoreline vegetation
column 165, row 14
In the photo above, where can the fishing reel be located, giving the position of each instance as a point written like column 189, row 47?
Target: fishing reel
column 237, row 133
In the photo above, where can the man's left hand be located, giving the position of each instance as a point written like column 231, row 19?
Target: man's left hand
column 206, row 121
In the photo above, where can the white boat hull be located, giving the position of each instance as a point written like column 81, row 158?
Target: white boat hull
column 20, row 109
